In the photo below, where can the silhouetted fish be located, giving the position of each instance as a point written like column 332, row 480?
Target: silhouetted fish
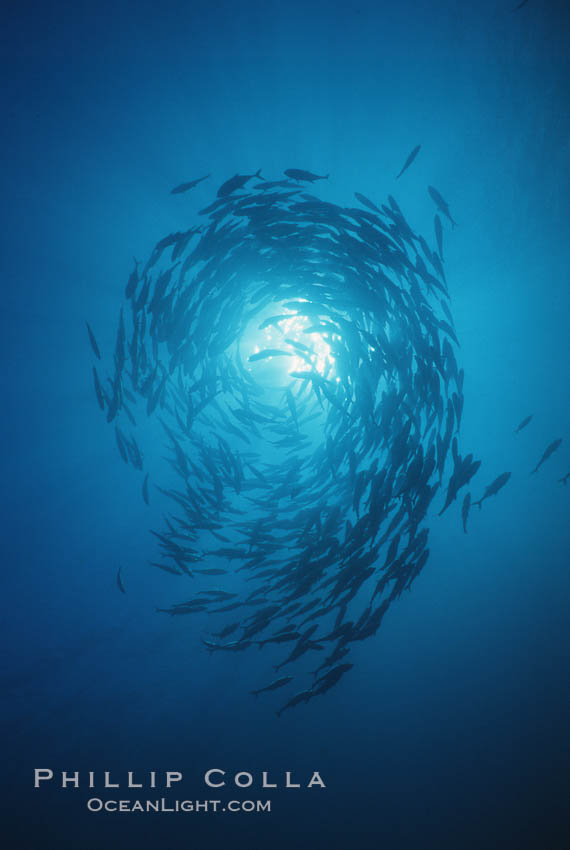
column 184, row 187
column 549, row 450
column 524, row 423
column 268, row 352
column 145, row 490
column 465, row 511
column 409, row 160
column 366, row 202
column 440, row 203
column 307, row 176
column 278, row 683
column 93, row 342
column 238, row 181
column 438, row 235
column 494, row 488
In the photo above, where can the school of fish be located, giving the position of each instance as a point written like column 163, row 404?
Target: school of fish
column 299, row 510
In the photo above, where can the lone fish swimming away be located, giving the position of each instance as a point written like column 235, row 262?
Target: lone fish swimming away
column 549, row 450
column 524, row 423
column 409, row 161
column 494, row 488
column 185, row 187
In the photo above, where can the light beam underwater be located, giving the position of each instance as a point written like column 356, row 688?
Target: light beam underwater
column 291, row 334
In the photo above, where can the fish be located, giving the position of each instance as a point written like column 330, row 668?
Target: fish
column 273, row 320
column 227, row 630
column 307, row 176
column 268, row 352
column 120, row 584
column 442, row 205
column 465, row 511
column 366, row 202
column 277, row 683
column 132, row 282
column 145, row 490
column 302, row 696
column 93, row 342
column 121, row 444
column 331, row 678
column 494, row 488
column 316, row 482
column 409, row 160
column 185, row 187
column 98, row 389
column 238, row 181
column 166, row 567
column 524, row 423
column 549, row 450
column 438, row 235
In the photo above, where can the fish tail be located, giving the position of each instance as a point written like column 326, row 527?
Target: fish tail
column 258, row 175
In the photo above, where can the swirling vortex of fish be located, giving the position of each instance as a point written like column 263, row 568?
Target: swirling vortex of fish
column 304, row 474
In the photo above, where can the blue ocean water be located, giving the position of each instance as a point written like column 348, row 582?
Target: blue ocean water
column 452, row 729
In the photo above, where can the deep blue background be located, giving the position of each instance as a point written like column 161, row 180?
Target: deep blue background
column 452, row 731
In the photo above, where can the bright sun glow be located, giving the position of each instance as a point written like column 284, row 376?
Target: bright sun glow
column 291, row 345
